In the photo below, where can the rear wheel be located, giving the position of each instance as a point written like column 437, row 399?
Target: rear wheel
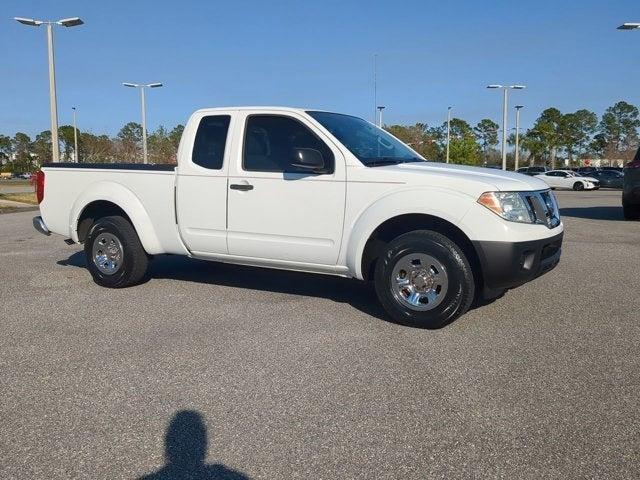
column 424, row 280
column 578, row 186
column 115, row 256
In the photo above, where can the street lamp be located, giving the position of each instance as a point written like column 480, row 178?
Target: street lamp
column 380, row 109
column 75, row 136
column 629, row 26
column 517, row 153
column 448, row 130
column 144, row 114
column 65, row 22
column 505, row 89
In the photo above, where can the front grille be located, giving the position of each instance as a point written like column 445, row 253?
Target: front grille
column 544, row 207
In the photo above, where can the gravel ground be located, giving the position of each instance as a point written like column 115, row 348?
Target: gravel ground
column 300, row 376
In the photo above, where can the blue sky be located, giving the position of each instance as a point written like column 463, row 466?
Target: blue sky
column 316, row 54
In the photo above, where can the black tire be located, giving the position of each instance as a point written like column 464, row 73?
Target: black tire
column 460, row 286
column 631, row 212
column 578, row 186
column 132, row 262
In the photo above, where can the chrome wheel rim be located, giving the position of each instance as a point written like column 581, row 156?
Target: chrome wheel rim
column 107, row 253
column 419, row 281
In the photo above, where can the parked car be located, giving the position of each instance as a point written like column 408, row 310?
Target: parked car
column 532, row 171
column 311, row 191
column 587, row 171
column 631, row 189
column 568, row 179
column 609, row 178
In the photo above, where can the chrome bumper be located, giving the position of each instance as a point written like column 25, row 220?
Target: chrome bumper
column 39, row 225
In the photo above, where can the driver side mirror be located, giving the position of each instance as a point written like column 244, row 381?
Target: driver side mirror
column 308, row 159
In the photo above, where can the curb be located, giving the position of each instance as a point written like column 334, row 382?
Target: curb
column 19, row 209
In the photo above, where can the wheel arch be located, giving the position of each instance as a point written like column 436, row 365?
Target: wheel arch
column 418, row 207
column 108, row 198
column 404, row 223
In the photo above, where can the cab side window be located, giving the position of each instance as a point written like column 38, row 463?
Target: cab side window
column 211, row 138
column 270, row 141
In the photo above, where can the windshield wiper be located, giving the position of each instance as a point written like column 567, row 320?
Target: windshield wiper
column 382, row 161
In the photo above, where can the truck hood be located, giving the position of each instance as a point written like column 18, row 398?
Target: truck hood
column 485, row 179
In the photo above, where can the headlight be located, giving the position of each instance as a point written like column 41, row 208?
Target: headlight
column 511, row 206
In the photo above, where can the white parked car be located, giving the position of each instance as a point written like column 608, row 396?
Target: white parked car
column 568, row 179
column 316, row 192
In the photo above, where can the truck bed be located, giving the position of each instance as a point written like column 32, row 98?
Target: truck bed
column 149, row 188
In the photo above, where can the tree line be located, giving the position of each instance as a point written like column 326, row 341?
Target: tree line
column 20, row 153
column 554, row 138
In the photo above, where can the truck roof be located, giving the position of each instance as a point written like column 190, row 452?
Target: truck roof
column 261, row 107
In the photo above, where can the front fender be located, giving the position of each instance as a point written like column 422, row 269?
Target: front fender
column 446, row 204
column 125, row 199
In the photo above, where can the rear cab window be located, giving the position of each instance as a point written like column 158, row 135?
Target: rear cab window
column 210, row 141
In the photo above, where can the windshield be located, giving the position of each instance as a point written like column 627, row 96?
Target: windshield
column 370, row 144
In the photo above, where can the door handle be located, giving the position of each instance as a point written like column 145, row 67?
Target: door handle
column 241, row 186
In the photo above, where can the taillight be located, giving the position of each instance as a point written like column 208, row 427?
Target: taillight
column 40, row 185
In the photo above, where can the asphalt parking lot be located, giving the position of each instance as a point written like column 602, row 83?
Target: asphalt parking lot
column 300, row 376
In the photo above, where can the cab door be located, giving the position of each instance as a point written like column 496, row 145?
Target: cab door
column 276, row 211
column 201, row 186
column 564, row 180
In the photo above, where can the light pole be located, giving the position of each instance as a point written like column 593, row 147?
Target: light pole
column 375, row 85
column 505, row 101
column 75, row 136
column 65, row 22
column 144, row 113
column 448, row 131
column 380, row 109
column 517, row 152
column 629, row 26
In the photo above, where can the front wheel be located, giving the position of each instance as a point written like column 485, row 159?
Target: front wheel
column 578, row 186
column 424, row 280
column 115, row 256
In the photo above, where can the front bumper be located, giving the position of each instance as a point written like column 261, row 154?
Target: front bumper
column 510, row 264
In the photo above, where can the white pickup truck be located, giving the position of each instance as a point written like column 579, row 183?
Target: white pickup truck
column 316, row 192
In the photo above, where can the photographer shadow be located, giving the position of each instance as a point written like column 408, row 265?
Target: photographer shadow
column 185, row 452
